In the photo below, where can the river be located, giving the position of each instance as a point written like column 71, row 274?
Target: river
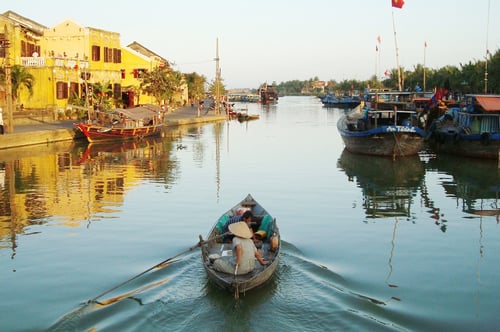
column 368, row 244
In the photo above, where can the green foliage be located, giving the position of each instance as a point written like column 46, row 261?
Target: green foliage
column 161, row 83
column 213, row 88
column 19, row 77
column 467, row 78
column 196, row 86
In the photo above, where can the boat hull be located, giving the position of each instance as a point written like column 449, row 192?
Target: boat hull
column 241, row 283
column 95, row 133
column 341, row 104
column 455, row 141
column 394, row 141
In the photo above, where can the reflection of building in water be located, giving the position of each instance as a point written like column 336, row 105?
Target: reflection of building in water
column 475, row 184
column 388, row 186
column 75, row 183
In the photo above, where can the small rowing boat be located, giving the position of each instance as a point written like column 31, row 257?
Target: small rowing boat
column 215, row 248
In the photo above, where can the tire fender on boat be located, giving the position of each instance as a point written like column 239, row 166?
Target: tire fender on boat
column 485, row 138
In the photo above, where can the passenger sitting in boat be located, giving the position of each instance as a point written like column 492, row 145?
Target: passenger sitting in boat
column 244, row 252
column 246, row 205
column 258, row 238
column 246, row 217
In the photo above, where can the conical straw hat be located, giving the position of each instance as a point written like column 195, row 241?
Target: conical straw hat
column 240, row 229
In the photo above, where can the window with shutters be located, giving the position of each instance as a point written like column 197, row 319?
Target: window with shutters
column 117, row 55
column 62, row 90
column 74, row 89
column 96, row 53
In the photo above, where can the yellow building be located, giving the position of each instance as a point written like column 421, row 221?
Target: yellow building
column 20, row 38
column 68, row 59
column 140, row 59
column 137, row 60
column 77, row 56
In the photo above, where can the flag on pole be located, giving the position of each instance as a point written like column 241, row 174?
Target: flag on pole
column 376, row 48
column 398, row 3
column 425, row 44
column 379, row 40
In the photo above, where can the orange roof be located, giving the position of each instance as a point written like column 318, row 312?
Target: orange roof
column 489, row 103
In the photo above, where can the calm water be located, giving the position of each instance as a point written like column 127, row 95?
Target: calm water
column 368, row 244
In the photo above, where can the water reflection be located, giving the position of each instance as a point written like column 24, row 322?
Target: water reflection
column 388, row 186
column 75, row 183
column 475, row 183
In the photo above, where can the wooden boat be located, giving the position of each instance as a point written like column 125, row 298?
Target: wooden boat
column 380, row 132
column 270, row 250
column 123, row 124
column 268, row 94
column 340, row 102
column 470, row 130
column 247, row 117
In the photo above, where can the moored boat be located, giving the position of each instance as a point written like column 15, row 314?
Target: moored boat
column 471, row 130
column 268, row 94
column 340, row 102
column 215, row 248
column 381, row 132
column 123, row 124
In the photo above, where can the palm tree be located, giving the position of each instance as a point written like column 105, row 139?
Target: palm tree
column 21, row 77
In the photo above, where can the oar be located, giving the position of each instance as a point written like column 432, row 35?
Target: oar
column 199, row 244
column 236, row 291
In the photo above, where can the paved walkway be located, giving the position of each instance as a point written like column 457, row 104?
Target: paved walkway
column 64, row 130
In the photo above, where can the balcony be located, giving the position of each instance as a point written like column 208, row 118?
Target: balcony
column 55, row 62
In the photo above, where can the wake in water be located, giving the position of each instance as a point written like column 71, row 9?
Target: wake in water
column 302, row 295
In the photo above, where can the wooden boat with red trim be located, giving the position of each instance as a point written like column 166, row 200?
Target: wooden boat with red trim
column 123, row 124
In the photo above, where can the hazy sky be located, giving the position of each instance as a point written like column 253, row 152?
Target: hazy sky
column 282, row 40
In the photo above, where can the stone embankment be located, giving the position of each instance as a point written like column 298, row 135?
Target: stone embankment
column 57, row 131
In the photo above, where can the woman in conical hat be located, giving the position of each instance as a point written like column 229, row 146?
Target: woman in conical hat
column 244, row 252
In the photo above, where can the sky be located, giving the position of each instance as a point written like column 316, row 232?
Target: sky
column 266, row 41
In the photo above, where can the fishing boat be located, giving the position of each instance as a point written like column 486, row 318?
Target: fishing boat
column 123, row 124
column 382, row 132
column 247, row 117
column 268, row 94
column 340, row 102
column 471, row 129
column 214, row 247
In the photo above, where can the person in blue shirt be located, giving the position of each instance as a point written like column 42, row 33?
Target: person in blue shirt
column 246, row 217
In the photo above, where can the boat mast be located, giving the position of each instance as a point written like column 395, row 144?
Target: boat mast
column 487, row 52
column 217, row 77
column 397, row 52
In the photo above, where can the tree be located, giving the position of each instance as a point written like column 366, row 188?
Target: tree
column 161, row 83
column 213, row 88
column 196, row 86
column 20, row 78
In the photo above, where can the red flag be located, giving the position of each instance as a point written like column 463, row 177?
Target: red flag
column 398, row 3
column 376, row 48
column 425, row 44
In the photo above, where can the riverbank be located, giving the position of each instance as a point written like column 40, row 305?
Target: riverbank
column 51, row 132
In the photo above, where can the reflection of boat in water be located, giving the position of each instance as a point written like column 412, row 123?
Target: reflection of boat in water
column 475, row 181
column 388, row 186
column 146, row 148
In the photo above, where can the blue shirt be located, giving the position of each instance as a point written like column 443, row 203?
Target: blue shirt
column 233, row 220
